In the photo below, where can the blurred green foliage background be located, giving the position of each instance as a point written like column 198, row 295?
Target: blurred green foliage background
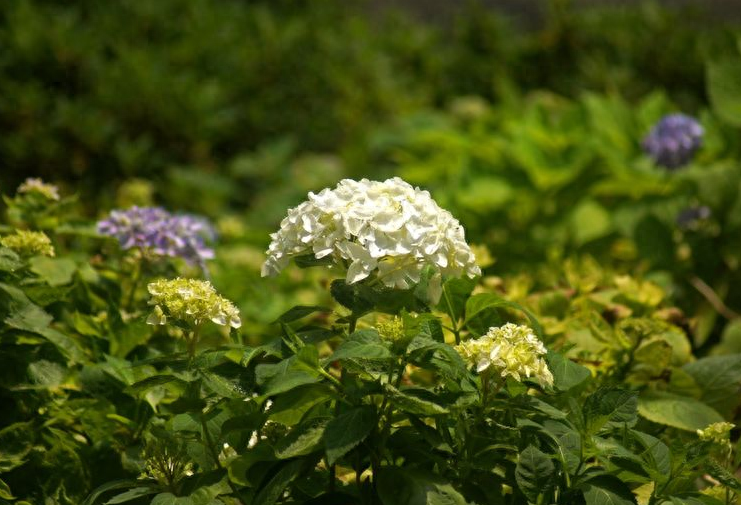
column 531, row 137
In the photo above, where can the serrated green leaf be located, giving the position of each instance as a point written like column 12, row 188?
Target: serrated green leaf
column 607, row 491
column 223, row 386
column 533, row 472
column 288, row 408
column 5, row 491
column 299, row 312
column 398, row 486
column 566, row 373
column 363, row 344
column 610, row 408
column 284, row 376
column 722, row 475
column 131, row 494
column 302, row 439
column 413, row 404
column 347, row 430
column 92, row 499
column 677, row 411
column 54, row 271
column 274, row 488
column 719, row 377
column 150, row 382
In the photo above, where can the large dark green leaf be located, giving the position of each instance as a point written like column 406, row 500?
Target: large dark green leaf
column 302, row 439
column 720, row 380
column 607, row 491
column 347, row 430
column 534, row 472
column 610, row 408
column 414, row 404
column 397, row 486
column 566, row 373
column 677, row 411
column 299, row 312
column 274, row 487
column 363, row 344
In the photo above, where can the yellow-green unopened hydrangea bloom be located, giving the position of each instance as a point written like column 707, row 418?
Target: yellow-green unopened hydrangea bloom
column 509, row 350
column 192, row 301
column 29, row 243
column 717, row 432
column 31, row 185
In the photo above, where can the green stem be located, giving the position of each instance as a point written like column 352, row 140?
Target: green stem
column 135, row 278
column 192, row 341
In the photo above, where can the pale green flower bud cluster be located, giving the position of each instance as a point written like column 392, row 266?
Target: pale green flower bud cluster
column 388, row 228
column 191, row 301
column 29, row 243
column 32, row 185
column 391, row 330
column 718, row 433
column 510, row 350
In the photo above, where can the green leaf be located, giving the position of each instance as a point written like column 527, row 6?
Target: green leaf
column 357, row 297
column 223, row 386
column 589, row 221
column 5, row 491
column 9, row 260
column 363, row 344
column 286, row 375
column 299, row 312
column 288, row 408
column 398, row 486
column 154, row 381
column 566, row 373
column 110, row 486
column 722, row 475
column 54, row 271
column 611, row 408
column 131, row 494
column 347, row 430
column 533, row 472
column 16, row 441
column 719, row 377
column 724, row 89
column 607, row 491
column 455, row 293
column 47, row 373
column 413, row 404
column 656, row 455
column 274, row 488
column 478, row 303
column 677, row 411
column 302, row 439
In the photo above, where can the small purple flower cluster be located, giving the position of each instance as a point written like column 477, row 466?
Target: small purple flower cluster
column 673, row 140
column 160, row 232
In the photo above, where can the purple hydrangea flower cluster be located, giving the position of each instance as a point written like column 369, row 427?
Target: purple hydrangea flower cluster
column 673, row 140
column 161, row 232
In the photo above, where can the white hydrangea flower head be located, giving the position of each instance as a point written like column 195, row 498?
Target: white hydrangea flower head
column 511, row 350
column 390, row 229
column 192, row 301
